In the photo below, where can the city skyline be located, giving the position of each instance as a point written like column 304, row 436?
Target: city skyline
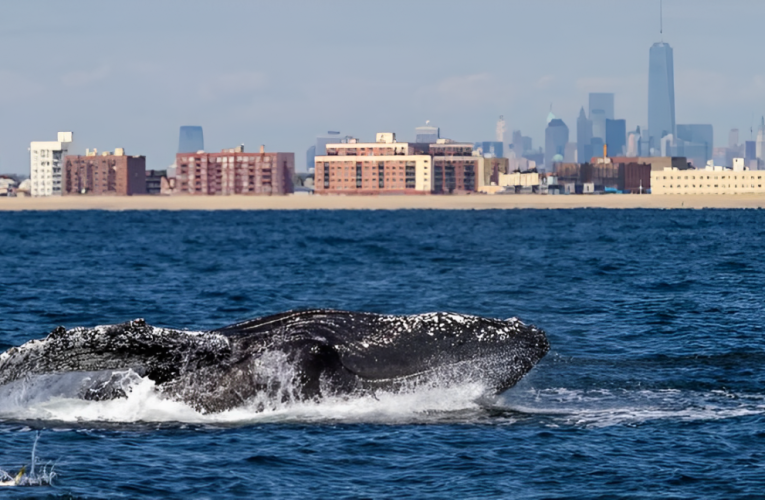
column 245, row 87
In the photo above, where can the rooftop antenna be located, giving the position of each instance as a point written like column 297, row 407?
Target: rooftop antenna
column 661, row 20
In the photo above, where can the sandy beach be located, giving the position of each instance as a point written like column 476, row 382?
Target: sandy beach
column 312, row 202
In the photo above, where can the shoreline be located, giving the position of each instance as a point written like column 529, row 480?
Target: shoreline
column 400, row 202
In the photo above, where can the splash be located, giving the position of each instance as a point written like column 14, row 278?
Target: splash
column 59, row 399
column 34, row 474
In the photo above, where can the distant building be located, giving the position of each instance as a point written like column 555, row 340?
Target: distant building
column 427, row 134
column 733, row 138
column 596, row 144
column 191, row 139
column 583, row 137
column 695, row 142
column 521, row 144
column 750, row 150
column 7, row 185
column 709, row 180
column 633, row 143
column 232, row 171
column 390, row 167
column 320, row 148
column 556, row 138
column 601, row 109
column 383, row 166
column 154, row 181
column 310, row 155
column 105, row 174
column 46, row 164
column 760, row 147
column 454, row 167
column 495, row 148
column 645, row 145
column 489, row 172
column 661, row 93
column 624, row 175
column 616, row 137
column 570, row 153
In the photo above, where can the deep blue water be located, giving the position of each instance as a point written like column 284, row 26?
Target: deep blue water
column 654, row 387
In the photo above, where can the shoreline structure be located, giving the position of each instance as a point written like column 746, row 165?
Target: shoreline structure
column 340, row 202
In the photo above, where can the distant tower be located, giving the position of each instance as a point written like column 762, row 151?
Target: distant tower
column 616, row 137
column 760, row 147
column 556, row 138
column 733, row 138
column 191, row 139
column 310, row 156
column 583, row 138
column 661, row 90
column 501, row 129
column 601, row 109
column 427, row 134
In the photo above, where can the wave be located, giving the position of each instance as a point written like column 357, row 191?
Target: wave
column 608, row 407
column 55, row 400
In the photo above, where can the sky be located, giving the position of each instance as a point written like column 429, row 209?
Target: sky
column 129, row 74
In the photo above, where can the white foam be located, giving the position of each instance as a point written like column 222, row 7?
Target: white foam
column 145, row 404
column 604, row 407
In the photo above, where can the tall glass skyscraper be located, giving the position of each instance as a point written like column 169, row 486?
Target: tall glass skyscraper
column 583, row 138
column 191, row 139
column 616, row 137
column 601, row 109
column 661, row 93
column 556, row 137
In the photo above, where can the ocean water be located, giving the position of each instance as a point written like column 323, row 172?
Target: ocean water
column 654, row 386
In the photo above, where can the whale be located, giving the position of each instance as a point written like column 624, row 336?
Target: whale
column 294, row 355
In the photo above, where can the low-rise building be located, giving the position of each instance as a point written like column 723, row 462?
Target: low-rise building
column 609, row 174
column 7, row 185
column 154, row 181
column 105, row 174
column 46, row 165
column 232, row 171
column 709, row 180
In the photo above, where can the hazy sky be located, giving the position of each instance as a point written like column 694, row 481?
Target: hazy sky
column 128, row 74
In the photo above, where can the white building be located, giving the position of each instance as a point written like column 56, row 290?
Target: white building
column 709, row 180
column 46, row 162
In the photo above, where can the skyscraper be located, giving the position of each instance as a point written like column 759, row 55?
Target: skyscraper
column 427, row 134
column 616, row 137
column 556, row 137
column 310, row 154
column 661, row 92
column 583, row 138
column 191, row 139
column 494, row 148
column 760, row 147
column 694, row 141
column 601, row 109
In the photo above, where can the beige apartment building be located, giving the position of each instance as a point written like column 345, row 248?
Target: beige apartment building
column 381, row 167
column 709, row 180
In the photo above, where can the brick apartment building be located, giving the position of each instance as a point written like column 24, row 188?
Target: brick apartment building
column 620, row 173
column 232, row 171
column 390, row 167
column 454, row 167
column 105, row 174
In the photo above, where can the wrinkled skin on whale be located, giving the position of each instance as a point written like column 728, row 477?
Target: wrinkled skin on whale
column 322, row 352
